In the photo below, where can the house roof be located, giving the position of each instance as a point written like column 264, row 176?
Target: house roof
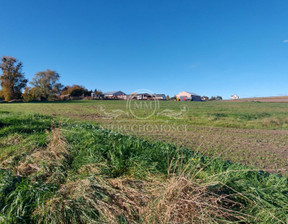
column 140, row 94
column 159, row 95
column 113, row 92
column 194, row 94
column 191, row 93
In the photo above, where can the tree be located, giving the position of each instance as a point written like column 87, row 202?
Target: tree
column 98, row 92
column 1, row 95
column 75, row 90
column 215, row 98
column 212, row 98
column 12, row 78
column 78, row 92
column 29, row 94
column 46, row 84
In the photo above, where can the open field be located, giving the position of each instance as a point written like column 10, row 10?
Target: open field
column 272, row 99
column 251, row 133
column 53, row 170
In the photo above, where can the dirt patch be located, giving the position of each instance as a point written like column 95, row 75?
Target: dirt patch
column 262, row 149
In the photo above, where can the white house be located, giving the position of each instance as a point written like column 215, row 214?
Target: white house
column 234, row 97
column 188, row 96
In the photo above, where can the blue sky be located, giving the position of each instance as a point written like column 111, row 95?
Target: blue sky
column 215, row 47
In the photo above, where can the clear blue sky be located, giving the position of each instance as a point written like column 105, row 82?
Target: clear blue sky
column 215, row 47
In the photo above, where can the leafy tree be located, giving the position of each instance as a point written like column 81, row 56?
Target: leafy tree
column 12, row 78
column 212, row 98
column 78, row 92
column 46, row 84
column 29, row 94
column 215, row 98
column 65, row 90
column 75, row 90
column 1, row 95
column 98, row 92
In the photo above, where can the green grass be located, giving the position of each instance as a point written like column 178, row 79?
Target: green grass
column 218, row 114
column 59, row 171
column 251, row 133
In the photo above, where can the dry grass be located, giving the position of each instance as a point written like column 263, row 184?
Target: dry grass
column 46, row 162
column 184, row 200
column 177, row 200
column 95, row 200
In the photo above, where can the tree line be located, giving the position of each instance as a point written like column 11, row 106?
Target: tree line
column 212, row 98
column 45, row 85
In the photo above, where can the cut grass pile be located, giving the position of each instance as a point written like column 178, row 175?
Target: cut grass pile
column 53, row 171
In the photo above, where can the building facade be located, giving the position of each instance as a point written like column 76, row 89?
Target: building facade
column 188, row 96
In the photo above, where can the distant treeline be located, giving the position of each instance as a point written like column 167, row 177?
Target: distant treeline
column 45, row 85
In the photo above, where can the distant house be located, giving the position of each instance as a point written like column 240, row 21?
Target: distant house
column 204, row 98
column 95, row 96
column 114, row 95
column 188, row 96
column 142, row 96
column 234, row 97
column 146, row 96
column 160, row 97
column 125, row 97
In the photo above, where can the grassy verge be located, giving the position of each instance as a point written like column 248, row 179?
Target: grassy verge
column 75, row 172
